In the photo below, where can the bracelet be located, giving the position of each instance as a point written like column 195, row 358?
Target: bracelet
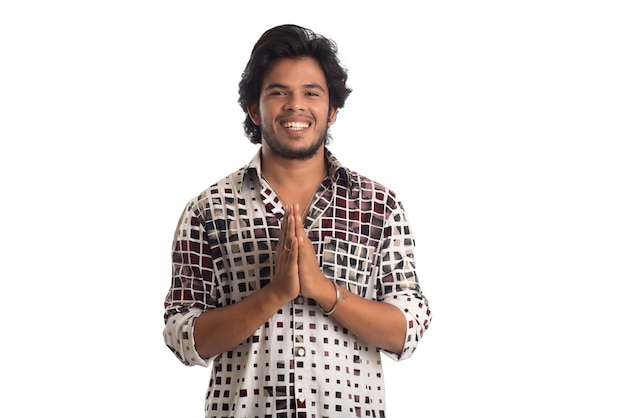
column 336, row 300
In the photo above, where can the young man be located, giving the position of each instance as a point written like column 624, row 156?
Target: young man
column 292, row 274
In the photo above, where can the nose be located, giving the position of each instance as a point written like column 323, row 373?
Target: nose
column 294, row 103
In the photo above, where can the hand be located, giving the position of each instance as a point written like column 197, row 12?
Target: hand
column 312, row 280
column 285, row 282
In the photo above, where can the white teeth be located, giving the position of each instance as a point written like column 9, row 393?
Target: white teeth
column 296, row 125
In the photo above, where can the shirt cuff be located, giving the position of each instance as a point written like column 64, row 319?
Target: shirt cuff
column 178, row 336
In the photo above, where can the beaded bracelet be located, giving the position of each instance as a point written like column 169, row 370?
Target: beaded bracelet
column 336, row 300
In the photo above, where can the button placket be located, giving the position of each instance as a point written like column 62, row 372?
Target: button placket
column 300, row 352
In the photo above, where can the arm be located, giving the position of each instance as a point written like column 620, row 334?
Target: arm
column 399, row 317
column 234, row 323
column 197, row 328
column 379, row 323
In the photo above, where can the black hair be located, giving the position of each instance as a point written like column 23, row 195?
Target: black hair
column 290, row 41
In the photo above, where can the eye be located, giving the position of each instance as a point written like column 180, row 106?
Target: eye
column 312, row 93
column 277, row 93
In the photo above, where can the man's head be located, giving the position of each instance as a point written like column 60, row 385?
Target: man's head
column 294, row 42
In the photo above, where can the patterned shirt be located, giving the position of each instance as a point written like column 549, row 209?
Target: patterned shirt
column 301, row 363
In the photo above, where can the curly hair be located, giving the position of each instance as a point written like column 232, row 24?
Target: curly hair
column 290, row 41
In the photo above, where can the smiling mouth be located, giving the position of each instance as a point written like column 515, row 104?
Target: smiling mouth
column 295, row 126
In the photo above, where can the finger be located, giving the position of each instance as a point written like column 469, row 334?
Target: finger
column 293, row 250
column 299, row 228
column 282, row 238
column 291, row 227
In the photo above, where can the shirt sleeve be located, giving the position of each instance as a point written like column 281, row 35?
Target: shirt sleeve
column 192, row 287
column 398, row 282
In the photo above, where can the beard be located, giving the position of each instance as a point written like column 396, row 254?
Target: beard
column 283, row 151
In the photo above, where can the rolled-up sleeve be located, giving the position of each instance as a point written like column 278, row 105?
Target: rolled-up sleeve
column 178, row 336
column 398, row 282
column 192, row 285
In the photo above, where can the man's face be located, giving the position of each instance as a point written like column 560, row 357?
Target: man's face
column 294, row 110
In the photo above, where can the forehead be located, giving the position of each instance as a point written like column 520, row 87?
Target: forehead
column 295, row 72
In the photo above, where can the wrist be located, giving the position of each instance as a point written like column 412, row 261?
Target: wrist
column 335, row 304
column 277, row 293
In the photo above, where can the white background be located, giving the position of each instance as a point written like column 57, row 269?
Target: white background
column 501, row 125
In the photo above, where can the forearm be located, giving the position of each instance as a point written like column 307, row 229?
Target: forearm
column 220, row 329
column 376, row 322
column 379, row 323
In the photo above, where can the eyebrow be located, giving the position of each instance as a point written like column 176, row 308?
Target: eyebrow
column 282, row 86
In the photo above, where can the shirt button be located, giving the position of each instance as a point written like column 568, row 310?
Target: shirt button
column 299, row 300
column 301, row 352
column 301, row 398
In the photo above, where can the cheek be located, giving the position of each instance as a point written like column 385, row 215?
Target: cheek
column 266, row 119
column 266, row 114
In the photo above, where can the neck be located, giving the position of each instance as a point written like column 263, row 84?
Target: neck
column 287, row 173
column 294, row 181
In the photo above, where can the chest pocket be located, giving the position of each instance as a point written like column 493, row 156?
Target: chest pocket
column 348, row 264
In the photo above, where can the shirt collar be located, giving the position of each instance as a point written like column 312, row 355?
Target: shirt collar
column 337, row 172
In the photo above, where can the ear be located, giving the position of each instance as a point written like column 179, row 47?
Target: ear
column 332, row 115
column 253, row 112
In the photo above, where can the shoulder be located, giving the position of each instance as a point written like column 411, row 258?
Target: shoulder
column 219, row 194
column 360, row 186
column 369, row 189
